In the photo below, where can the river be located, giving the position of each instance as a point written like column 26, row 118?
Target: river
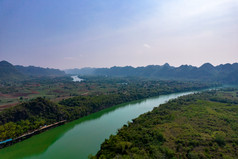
column 82, row 137
column 76, row 79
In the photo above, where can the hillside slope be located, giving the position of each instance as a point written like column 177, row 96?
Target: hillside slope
column 39, row 71
column 9, row 72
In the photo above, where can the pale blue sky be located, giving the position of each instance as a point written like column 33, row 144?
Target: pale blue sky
column 104, row 33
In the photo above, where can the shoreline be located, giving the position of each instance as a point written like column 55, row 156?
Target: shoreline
column 30, row 134
column 44, row 128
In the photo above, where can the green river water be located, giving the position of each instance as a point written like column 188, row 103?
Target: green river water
column 82, row 137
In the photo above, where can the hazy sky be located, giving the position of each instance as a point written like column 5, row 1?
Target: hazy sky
column 104, row 33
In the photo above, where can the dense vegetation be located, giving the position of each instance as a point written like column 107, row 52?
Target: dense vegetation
column 58, row 88
column 203, row 125
column 223, row 73
column 30, row 115
column 54, row 88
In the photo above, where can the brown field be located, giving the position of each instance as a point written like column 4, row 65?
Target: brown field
column 53, row 89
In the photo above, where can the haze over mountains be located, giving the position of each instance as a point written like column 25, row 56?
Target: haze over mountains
column 11, row 72
column 227, row 73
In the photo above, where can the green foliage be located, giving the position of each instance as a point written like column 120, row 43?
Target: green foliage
column 30, row 115
column 219, row 138
column 193, row 127
column 58, row 88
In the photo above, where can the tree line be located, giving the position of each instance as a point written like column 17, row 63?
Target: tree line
column 35, row 113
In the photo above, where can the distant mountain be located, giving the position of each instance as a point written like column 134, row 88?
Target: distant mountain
column 11, row 72
column 82, row 71
column 227, row 73
column 39, row 71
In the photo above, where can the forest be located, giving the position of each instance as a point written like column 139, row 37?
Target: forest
column 119, row 79
column 32, row 114
column 201, row 125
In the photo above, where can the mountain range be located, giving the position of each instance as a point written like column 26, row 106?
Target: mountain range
column 225, row 73
column 11, row 72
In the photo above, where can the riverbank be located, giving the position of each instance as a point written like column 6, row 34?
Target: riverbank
column 71, row 109
column 85, row 135
column 9, row 142
column 201, row 125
